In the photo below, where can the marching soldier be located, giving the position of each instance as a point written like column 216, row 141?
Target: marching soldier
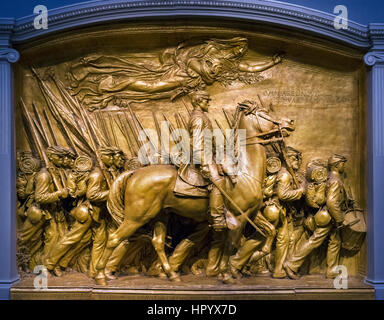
column 328, row 221
column 97, row 194
column 49, row 200
column 27, row 166
column 31, row 219
column 79, row 235
column 90, row 214
column 258, row 246
column 288, row 194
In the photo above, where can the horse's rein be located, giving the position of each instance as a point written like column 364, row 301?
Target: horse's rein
column 263, row 141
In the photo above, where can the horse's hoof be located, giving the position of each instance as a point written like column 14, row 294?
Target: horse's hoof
column 175, row 277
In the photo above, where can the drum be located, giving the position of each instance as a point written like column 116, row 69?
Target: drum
column 353, row 235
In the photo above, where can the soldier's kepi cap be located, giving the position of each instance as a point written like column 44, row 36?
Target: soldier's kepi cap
column 57, row 150
column 109, row 151
column 293, row 152
column 71, row 153
column 198, row 94
column 336, row 158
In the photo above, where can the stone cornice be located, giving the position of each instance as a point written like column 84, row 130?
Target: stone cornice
column 272, row 12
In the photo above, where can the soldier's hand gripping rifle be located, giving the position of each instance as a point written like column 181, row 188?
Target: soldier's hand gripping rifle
column 283, row 148
column 40, row 147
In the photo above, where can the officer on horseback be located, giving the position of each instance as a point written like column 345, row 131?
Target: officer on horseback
column 204, row 159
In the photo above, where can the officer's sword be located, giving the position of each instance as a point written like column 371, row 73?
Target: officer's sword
column 238, row 208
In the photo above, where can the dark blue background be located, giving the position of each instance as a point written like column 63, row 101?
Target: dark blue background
column 361, row 11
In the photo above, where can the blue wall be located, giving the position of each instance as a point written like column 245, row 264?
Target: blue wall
column 361, row 11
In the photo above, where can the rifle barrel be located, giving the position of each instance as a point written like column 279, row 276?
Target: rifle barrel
column 39, row 146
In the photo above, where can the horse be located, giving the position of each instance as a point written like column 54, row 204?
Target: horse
column 143, row 194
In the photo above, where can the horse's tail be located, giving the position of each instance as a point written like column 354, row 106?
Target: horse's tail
column 115, row 203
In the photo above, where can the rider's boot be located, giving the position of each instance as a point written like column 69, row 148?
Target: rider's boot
column 216, row 204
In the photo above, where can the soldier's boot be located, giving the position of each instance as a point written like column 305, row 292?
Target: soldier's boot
column 110, row 275
column 289, row 271
column 57, row 271
column 215, row 254
column 180, row 254
column 216, row 204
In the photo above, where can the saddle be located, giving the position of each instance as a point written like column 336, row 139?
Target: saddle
column 190, row 182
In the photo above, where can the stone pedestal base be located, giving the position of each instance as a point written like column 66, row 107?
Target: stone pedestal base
column 134, row 287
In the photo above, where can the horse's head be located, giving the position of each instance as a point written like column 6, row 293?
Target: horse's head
column 260, row 119
column 287, row 126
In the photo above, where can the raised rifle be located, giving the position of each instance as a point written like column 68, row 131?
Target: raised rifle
column 39, row 146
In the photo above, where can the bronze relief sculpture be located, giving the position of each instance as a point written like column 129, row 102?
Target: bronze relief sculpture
column 87, row 201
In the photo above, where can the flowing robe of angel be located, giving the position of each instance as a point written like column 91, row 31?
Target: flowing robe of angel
column 98, row 80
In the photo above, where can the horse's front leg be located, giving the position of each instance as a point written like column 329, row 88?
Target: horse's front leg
column 158, row 241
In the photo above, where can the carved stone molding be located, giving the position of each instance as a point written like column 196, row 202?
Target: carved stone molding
column 9, row 54
column 284, row 14
column 371, row 58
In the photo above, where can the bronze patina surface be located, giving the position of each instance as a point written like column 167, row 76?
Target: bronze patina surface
column 87, row 200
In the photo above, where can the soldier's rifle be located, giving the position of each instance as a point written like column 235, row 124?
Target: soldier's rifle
column 131, row 143
column 93, row 137
column 221, row 129
column 227, row 117
column 103, row 127
column 40, row 147
column 113, row 131
column 185, row 124
column 49, row 101
column 50, row 139
column 119, row 124
column 283, row 146
column 134, row 134
column 171, row 128
column 141, row 127
column 158, row 130
column 188, row 111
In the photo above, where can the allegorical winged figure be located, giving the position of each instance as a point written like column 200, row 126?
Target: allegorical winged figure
column 98, row 80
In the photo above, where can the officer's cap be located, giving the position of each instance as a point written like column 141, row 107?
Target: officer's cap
column 71, row 153
column 336, row 158
column 57, row 150
column 109, row 151
column 293, row 152
column 199, row 94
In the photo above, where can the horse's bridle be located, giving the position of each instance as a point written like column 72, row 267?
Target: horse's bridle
column 258, row 114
